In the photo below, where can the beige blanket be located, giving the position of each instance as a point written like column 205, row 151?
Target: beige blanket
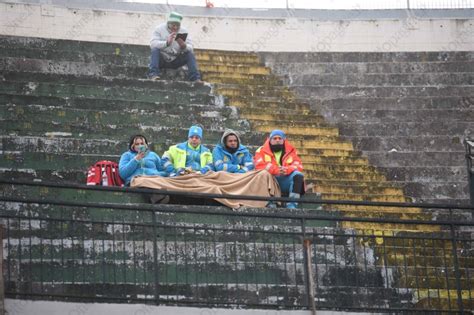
column 259, row 183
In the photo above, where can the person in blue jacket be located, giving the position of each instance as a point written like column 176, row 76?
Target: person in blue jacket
column 230, row 155
column 188, row 157
column 139, row 160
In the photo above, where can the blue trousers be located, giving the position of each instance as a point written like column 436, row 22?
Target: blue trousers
column 286, row 182
column 186, row 58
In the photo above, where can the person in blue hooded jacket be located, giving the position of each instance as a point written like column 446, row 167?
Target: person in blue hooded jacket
column 188, row 157
column 139, row 160
column 230, row 155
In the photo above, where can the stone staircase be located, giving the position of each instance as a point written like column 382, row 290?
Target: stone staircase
column 407, row 112
column 66, row 104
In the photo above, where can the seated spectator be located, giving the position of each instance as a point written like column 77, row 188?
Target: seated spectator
column 280, row 158
column 139, row 160
column 170, row 50
column 230, row 155
column 189, row 156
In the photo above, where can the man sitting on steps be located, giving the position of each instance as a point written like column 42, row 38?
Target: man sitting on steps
column 188, row 157
column 280, row 159
column 172, row 48
column 230, row 155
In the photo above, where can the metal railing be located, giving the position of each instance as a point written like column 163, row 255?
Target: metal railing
column 261, row 258
column 328, row 5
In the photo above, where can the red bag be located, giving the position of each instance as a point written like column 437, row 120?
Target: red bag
column 104, row 173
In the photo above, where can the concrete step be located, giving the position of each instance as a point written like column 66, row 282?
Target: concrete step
column 133, row 51
column 432, row 173
column 368, row 198
column 405, row 129
column 353, row 160
column 264, row 104
column 254, row 91
column 238, row 75
column 56, row 116
column 363, row 210
column 344, row 176
column 390, row 116
column 107, row 146
column 404, row 158
column 360, row 190
column 425, row 143
column 237, row 78
column 304, row 130
column 259, row 116
column 434, row 79
column 100, row 81
column 350, row 92
column 295, row 68
column 313, row 155
column 107, row 93
column 112, row 104
column 291, row 122
column 445, row 102
column 394, row 57
column 120, row 57
column 441, row 260
column 121, row 132
column 59, row 145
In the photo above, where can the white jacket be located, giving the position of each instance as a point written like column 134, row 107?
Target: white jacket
column 169, row 53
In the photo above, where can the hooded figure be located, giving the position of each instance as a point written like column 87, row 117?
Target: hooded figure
column 189, row 156
column 139, row 160
column 280, row 159
column 230, row 155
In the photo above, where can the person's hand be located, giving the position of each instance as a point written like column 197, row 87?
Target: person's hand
column 283, row 170
column 205, row 170
column 171, row 38
column 140, row 156
column 181, row 43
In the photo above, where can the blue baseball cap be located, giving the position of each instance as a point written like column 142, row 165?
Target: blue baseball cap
column 195, row 131
column 277, row 132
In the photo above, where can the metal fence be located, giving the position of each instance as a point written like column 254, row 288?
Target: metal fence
column 260, row 258
column 328, row 4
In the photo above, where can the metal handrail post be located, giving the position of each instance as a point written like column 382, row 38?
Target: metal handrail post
column 456, row 270
column 155, row 258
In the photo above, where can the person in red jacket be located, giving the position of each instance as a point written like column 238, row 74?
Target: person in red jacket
column 280, row 158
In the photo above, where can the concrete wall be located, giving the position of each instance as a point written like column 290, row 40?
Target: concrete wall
column 226, row 29
column 26, row 307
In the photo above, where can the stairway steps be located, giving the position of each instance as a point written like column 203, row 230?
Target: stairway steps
column 406, row 128
column 407, row 143
column 354, row 92
column 38, row 114
column 368, row 67
column 444, row 102
column 118, row 132
column 305, row 130
column 383, row 80
column 236, row 78
column 373, row 57
column 367, row 210
column 18, row 77
column 264, row 104
column 390, row 227
column 105, row 93
column 343, row 189
column 367, row 198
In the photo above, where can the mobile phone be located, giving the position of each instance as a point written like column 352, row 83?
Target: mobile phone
column 183, row 36
column 142, row 148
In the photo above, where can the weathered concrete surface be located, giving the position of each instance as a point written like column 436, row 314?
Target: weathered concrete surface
column 409, row 112
column 27, row 307
column 246, row 30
